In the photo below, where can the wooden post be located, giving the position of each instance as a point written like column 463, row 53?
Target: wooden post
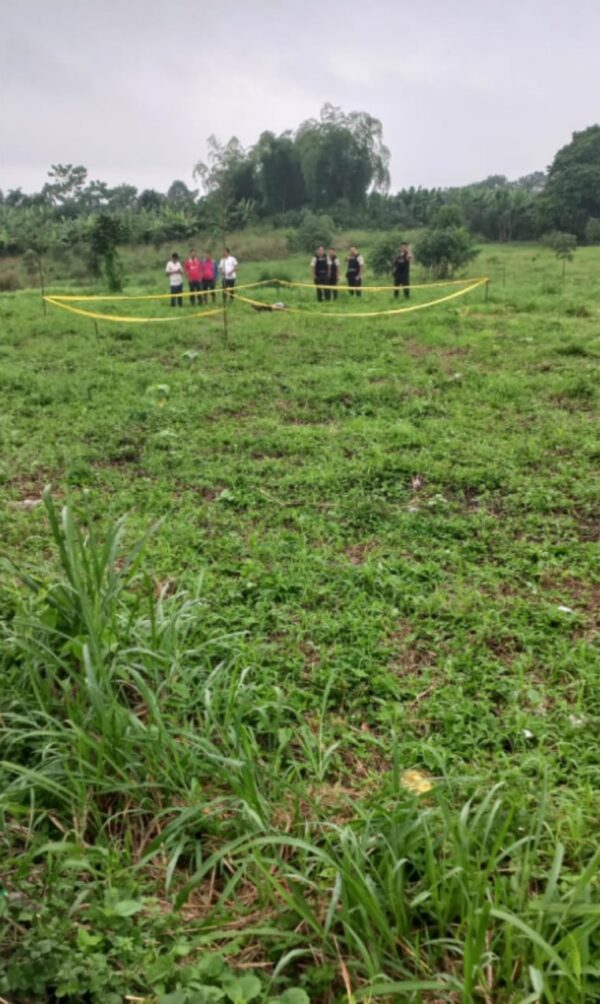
column 42, row 290
column 225, row 318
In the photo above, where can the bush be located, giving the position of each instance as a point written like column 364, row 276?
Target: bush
column 561, row 243
column 592, row 231
column 447, row 216
column 9, row 281
column 383, row 254
column 444, row 250
column 314, row 230
column 564, row 246
column 267, row 277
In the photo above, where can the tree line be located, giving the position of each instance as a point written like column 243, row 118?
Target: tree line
column 336, row 165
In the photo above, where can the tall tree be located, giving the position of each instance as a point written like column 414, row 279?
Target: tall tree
column 67, row 182
column 279, row 175
column 342, row 156
column 572, row 194
column 179, row 196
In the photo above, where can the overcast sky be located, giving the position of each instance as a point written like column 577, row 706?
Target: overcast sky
column 132, row 88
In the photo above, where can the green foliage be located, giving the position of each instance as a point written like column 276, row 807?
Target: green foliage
column 572, row 193
column 314, row 229
column 447, row 216
column 105, row 234
column 9, row 281
column 592, row 231
column 563, row 245
column 205, row 734
column 444, row 251
column 383, row 253
column 32, row 263
column 338, row 158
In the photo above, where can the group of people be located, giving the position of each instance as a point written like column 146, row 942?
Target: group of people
column 325, row 267
column 201, row 274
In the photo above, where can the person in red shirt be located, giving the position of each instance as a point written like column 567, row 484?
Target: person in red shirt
column 209, row 275
column 193, row 271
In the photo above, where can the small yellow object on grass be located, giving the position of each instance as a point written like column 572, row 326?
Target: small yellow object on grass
column 416, row 781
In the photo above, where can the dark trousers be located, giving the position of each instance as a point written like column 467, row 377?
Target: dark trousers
column 355, row 282
column 401, row 279
column 322, row 294
column 333, row 292
column 195, row 287
column 177, row 296
column 228, row 285
column 209, row 284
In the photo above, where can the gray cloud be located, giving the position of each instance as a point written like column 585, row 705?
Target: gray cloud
column 133, row 89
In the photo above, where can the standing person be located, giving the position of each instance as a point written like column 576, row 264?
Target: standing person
column 174, row 270
column 209, row 275
column 401, row 270
column 320, row 272
column 228, row 266
column 355, row 266
column 334, row 272
column 193, row 270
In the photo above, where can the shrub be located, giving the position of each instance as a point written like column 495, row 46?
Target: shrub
column 592, row 231
column 444, row 250
column 383, row 253
column 9, row 281
column 314, row 230
column 266, row 276
column 563, row 245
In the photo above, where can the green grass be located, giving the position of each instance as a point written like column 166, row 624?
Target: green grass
column 236, row 620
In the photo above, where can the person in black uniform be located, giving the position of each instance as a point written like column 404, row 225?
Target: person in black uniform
column 354, row 269
column 334, row 272
column 320, row 272
column 401, row 270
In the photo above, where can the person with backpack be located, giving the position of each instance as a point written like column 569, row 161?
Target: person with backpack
column 320, row 272
column 355, row 266
column 334, row 272
column 401, row 270
column 209, row 276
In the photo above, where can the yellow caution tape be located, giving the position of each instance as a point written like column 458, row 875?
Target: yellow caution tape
column 154, row 296
column 379, row 289
column 65, row 302
column 184, row 315
column 371, row 313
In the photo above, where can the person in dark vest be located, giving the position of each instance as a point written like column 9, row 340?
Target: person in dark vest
column 334, row 272
column 320, row 272
column 355, row 266
column 401, row 270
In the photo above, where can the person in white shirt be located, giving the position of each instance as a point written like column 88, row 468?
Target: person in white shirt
column 174, row 270
column 227, row 267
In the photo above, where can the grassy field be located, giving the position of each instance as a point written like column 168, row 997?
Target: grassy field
column 318, row 718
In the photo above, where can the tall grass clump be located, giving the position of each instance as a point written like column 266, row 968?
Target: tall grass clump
column 116, row 703
column 129, row 726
